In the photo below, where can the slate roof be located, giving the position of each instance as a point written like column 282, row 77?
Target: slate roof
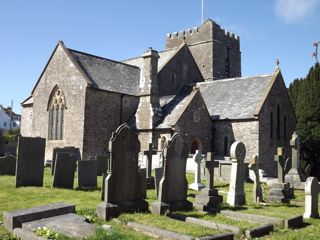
column 109, row 75
column 235, row 98
column 174, row 106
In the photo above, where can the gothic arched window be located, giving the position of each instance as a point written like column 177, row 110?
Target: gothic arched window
column 56, row 109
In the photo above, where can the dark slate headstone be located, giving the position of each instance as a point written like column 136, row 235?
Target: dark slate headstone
column 11, row 149
column 123, row 183
column 72, row 150
column 87, row 173
column 2, row 145
column 8, row 165
column 173, row 186
column 30, row 161
column 64, row 170
column 158, row 172
column 143, row 175
column 102, row 163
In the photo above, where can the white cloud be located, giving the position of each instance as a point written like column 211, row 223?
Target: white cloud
column 295, row 10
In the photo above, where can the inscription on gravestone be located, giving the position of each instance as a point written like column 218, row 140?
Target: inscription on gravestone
column 30, row 161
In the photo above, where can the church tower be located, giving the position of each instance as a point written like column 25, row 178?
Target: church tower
column 215, row 50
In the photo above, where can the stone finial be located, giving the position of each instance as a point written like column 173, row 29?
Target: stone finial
column 277, row 64
column 238, row 151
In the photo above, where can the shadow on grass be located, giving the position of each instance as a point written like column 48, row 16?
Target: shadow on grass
column 237, row 208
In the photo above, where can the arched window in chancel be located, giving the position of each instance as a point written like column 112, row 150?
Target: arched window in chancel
column 56, row 108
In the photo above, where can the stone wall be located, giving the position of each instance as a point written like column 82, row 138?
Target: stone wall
column 104, row 112
column 210, row 45
column 268, row 145
column 246, row 131
column 63, row 73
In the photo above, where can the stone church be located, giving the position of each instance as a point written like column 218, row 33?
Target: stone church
column 193, row 87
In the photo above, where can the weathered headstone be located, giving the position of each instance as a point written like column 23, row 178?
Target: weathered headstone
column 173, row 185
column 87, row 173
column 149, row 178
column 64, row 170
column 73, row 150
column 102, row 163
column 280, row 191
column 236, row 194
column 123, row 183
column 209, row 199
column 197, row 185
column 257, row 190
column 158, row 173
column 30, row 161
column 2, row 145
column 311, row 198
column 8, row 165
column 295, row 177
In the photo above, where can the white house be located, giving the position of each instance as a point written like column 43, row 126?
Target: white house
column 7, row 118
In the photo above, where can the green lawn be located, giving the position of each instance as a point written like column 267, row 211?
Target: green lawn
column 86, row 201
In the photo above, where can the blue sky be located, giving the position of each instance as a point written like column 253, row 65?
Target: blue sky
column 121, row 29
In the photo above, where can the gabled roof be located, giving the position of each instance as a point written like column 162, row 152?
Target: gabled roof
column 101, row 73
column 236, row 98
column 173, row 107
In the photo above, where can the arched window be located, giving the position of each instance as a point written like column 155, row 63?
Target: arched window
column 196, row 145
column 56, row 109
column 278, row 121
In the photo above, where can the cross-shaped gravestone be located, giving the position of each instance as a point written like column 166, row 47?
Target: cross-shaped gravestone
column 197, row 185
column 279, row 158
column 210, row 165
column 295, row 144
column 311, row 198
column 149, row 153
column 257, row 191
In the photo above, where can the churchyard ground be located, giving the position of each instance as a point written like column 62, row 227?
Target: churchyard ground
column 87, row 200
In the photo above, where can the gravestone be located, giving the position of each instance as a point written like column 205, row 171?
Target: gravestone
column 102, row 163
column 123, row 182
column 236, row 194
column 64, row 170
column 280, row 191
column 150, row 179
column 173, row 185
column 143, row 175
column 104, row 175
column 197, row 185
column 2, row 144
column 209, row 199
column 87, row 173
column 295, row 177
column 72, row 150
column 257, row 190
column 311, row 198
column 8, row 165
column 158, row 173
column 30, row 161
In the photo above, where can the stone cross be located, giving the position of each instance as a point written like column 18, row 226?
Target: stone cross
column 197, row 185
column 210, row 165
column 295, row 144
column 257, row 190
column 149, row 153
column 279, row 158
column 236, row 194
column 311, row 198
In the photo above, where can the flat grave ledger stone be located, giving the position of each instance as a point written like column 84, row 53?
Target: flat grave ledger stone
column 30, row 161
column 311, row 198
column 236, row 194
column 173, row 185
column 8, row 165
column 64, row 170
column 123, row 183
column 87, row 173
column 69, row 149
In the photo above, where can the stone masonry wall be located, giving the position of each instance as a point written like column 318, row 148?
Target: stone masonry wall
column 63, row 73
column 26, row 121
column 267, row 145
column 246, row 131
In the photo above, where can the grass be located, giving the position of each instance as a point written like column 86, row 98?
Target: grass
column 86, row 200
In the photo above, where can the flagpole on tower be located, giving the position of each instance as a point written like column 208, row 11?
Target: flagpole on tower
column 202, row 11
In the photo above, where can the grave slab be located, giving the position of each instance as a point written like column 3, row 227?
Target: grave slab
column 294, row 222
column 23, row 234
column 87, row 173
column 30, row 161
column 8, row 165
column 64, row 170
column 259, row 231
column 14, row 219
